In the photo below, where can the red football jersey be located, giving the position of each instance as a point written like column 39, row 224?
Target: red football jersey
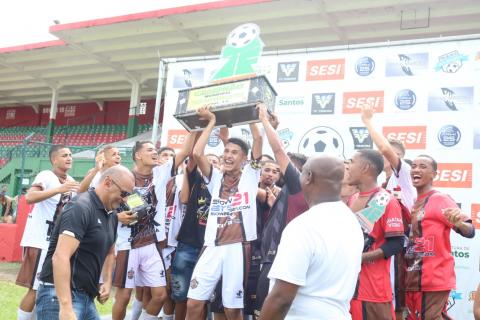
column 430, row 264
column 374, row 279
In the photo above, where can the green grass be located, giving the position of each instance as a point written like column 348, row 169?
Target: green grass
column 11, row 294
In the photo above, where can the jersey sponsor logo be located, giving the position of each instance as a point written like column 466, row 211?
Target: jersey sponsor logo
column 323, row 103
column 422, row 247
column 476, row 215
column 176, row 138
column 449, row 135
column 331, row 69
column 193, row 283
column 364, row 66
column 450, row 62
column 395, row 222
column 453, row 175
column 413, row 137
column 353, row 101
column 288, row 71
column 226, row 207
column 361, row 138
column 405, row 99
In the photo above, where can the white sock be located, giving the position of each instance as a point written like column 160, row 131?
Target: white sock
column 34, row 317
column 24, row 315
column 136, row 309
column 146, row 316
column 167, row 317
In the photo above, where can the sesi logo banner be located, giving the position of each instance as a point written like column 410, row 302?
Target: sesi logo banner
column 453, row 175
column 332, row 69
column 176, row 138
column 476, row 215
column 353, row 101
column 413, row 137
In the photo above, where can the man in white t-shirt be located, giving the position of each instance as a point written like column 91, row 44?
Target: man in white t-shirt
column 50, row 191
column 320, row 253
column 231, row 223
column 107, row 157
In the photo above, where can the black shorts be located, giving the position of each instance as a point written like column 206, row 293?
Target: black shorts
column 250, row 298
column 262, row 287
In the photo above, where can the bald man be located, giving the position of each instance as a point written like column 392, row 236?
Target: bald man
column 81, row 243
column 316, row 266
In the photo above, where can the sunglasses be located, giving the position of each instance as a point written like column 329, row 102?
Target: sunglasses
column 123, row 193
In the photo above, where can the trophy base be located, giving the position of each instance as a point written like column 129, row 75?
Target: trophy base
column 226, row 116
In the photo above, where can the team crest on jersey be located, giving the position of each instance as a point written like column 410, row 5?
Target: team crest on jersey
column 193, row 283
column 130, row 274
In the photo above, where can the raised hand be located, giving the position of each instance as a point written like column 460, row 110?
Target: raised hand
column 204, row 113
column 69, row 186
column 262, row 111
column 454, row 216
column 367, row 112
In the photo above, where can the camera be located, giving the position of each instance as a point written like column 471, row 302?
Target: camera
column 137, row 205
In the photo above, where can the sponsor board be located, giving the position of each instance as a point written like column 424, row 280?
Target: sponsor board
column 450, row 62
column 353, row 101
column 288, row 71
column 361, row 138
column 451, row 99
column 476, row 138
column 322, row 140
column 476, row 215
column 188, row 78
column 323, row 103
column 290, row 104
column 449, row 135
column 331, row 69
column 406, row 64
column 176, row 138
column 413, row 137
column 405, row 99
column 453, row 175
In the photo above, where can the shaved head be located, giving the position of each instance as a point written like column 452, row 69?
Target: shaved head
column 321, row 179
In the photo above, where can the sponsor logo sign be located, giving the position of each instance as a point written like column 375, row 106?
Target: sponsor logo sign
column 323, row 103
column 476, row 138
column 331, row 69
column 405, row 99
column 449, row 135
column 450, row 62
column 353, row 101
column 322, row 140
column 213, row 139
column 451, row 99
column 413, row 137
column 453, row 175
column 286, row 136
column 406, row 64
column 290, row 104
column 288, row 71
column 176, row 138
column 361, row 138
column 188, row 78
column 364, row 66
column 476, row 215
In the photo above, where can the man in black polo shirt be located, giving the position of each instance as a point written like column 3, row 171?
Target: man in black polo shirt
column 82, row 242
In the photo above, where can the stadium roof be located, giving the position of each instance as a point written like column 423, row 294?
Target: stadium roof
column 99, row 60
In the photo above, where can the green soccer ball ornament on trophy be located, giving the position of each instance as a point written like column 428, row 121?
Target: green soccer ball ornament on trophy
column 235, row 87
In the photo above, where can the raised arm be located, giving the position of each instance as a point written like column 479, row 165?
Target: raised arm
column 99, row 161
column 186, row 149
column 380, row 141
column 257, row 141
column 199, row 149
column 273, row 139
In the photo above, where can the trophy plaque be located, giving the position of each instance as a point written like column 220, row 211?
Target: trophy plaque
column 233, row 103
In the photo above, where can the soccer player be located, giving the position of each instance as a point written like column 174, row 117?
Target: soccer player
column 50, row 191
column 107, row 157
column 430, row 264
column 231, row 222
column 289, row 203
column 316, row 266
column 381, row 218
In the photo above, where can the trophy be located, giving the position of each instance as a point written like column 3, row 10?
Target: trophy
column 236, row 88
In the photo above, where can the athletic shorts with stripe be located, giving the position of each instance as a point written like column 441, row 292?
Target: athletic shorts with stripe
column 229, row 262
column 32, row 264
column 366, row 310
column 141, row 267
column 427, row 305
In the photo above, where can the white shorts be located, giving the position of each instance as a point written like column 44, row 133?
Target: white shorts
column 141, row 267
column 227, row 262
column 167, row 254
